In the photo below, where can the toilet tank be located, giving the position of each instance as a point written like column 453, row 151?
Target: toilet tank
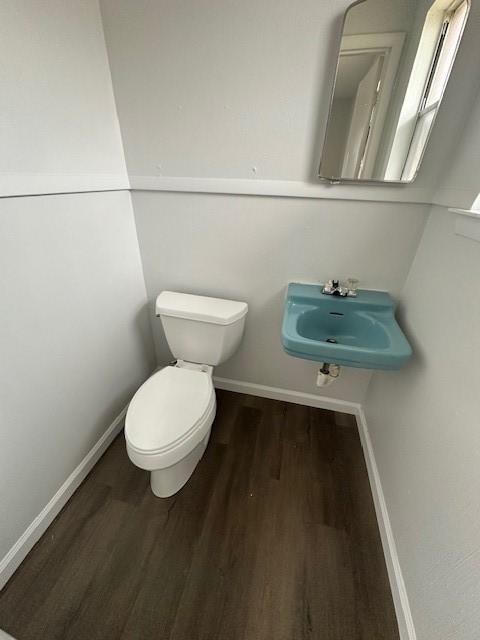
column 201, row 329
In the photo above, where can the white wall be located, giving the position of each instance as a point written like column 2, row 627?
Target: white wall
column 75, row 339
column 58, row 125
column 249, row 248
column 198, row 71
column 424, row 424
column 211, row 89
column 460, row 184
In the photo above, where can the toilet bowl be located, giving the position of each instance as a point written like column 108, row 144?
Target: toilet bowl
column 168, row 425
column 169, row 419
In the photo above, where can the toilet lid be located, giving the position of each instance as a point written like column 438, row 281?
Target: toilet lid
column 166, row 407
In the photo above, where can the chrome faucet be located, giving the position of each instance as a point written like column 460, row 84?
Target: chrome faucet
column 334, row 288
column 337, row 288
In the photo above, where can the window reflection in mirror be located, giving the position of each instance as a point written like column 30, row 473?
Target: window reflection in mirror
column 394, row 63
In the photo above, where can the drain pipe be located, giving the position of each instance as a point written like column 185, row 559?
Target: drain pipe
column 327, row 374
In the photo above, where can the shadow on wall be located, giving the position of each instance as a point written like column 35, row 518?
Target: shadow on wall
column 145, row 333
column 418, row 357
column 142, row 332
column 162, row 354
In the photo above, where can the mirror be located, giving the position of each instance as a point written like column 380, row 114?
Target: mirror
column 393, row 66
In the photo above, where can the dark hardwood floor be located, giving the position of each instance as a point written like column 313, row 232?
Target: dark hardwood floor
column 273, row 538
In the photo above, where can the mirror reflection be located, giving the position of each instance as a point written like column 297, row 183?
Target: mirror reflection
column 394, row 63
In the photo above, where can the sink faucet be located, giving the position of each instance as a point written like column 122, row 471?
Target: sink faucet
column 336, row 288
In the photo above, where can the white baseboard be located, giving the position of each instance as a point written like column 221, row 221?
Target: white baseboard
column 11, row 561
column 397, row 584
column 297, row 397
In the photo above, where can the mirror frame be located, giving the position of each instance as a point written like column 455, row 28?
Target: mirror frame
column 376, row 181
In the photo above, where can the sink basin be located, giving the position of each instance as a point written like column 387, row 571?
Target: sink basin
column 354, row 332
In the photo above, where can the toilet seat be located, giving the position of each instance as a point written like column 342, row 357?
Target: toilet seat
column 168, row 416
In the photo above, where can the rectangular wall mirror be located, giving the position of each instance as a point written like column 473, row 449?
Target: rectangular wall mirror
column 393, row 66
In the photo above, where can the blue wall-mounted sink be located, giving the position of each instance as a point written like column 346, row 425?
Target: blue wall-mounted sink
column 354, row 332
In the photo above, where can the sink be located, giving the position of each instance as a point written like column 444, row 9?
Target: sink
column 354, row 332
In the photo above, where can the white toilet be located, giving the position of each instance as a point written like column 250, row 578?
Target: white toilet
column 169, row 419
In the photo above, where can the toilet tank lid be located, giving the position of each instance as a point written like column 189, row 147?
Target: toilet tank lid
column 202, row 308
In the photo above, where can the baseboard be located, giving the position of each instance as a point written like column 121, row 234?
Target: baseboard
column 11, row 561
column 297, row 397
column 397, row 584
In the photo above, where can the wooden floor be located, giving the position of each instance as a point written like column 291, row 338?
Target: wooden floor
column 273, row 538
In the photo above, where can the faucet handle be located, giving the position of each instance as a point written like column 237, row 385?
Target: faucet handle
column 352, row 286
column 328, row 287
column 334, row 287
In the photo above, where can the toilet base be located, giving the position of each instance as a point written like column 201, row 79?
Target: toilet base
column 166, row 482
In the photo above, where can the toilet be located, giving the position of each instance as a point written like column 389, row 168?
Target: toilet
column 169, row 419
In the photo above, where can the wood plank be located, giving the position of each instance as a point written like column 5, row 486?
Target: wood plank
column 274, row 536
